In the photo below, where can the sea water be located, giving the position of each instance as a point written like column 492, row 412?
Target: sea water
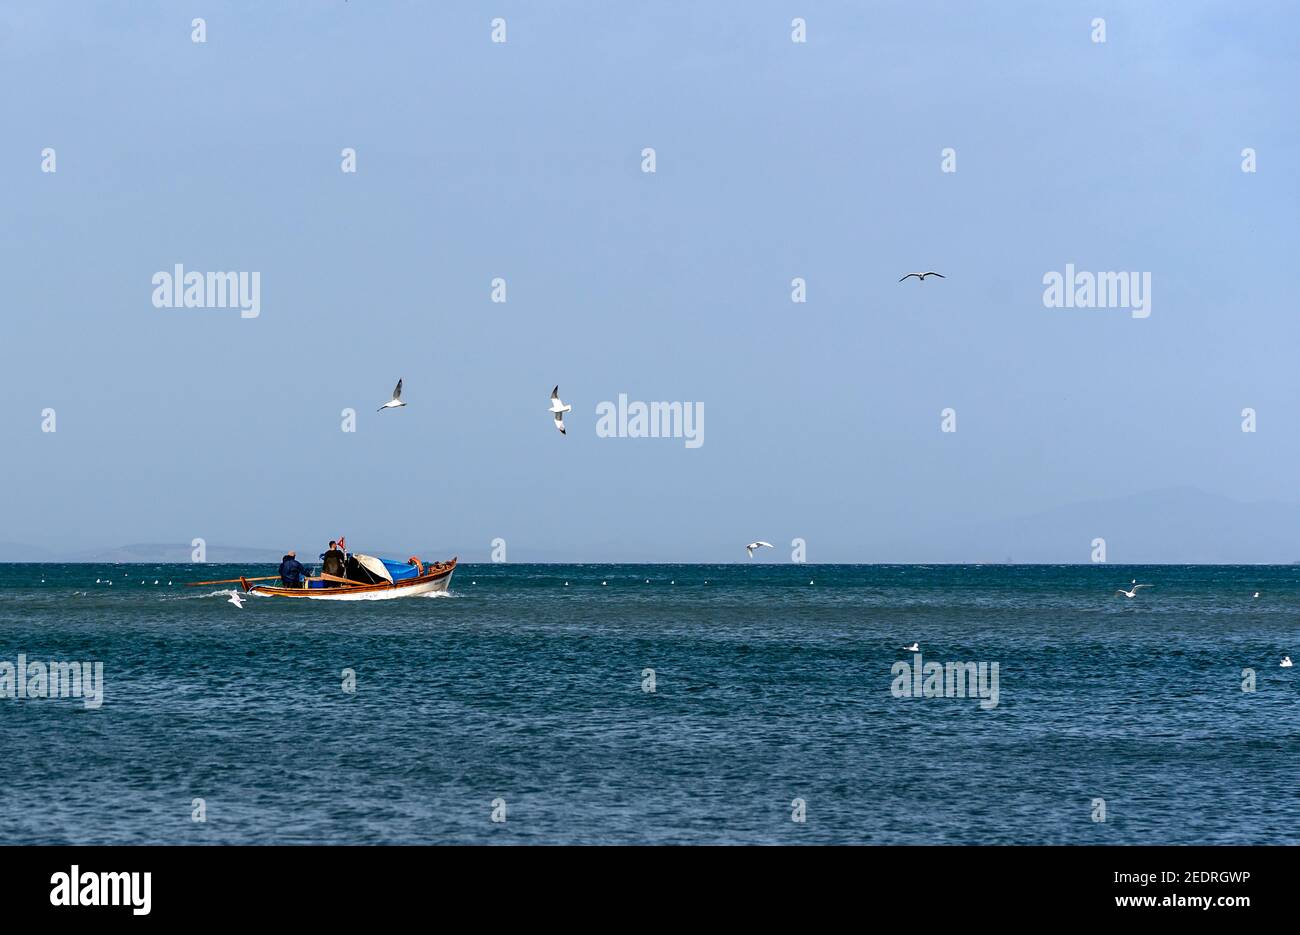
column 755, row 703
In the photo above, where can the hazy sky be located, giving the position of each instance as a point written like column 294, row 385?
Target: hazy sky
column 523, row 160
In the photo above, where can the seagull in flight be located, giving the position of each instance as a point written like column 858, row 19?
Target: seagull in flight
column 558, row 409
column 395, row 401
column 237, row 601
column 920, row 277
column 914, row 648
column 1133, row 590
column 755, row 546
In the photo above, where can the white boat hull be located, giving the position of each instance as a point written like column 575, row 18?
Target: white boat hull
column 418, row 587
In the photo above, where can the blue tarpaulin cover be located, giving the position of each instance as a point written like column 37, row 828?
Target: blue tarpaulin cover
column 400, row 570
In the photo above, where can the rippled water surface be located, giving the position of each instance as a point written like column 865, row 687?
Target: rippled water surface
column 772, row 683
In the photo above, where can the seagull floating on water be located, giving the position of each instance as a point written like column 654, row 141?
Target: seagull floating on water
column 395, row 401
column 237, row 601
column 755, row 546
column 1286, row 662
column 920, row 277
column 558, row 409
column 914, row 648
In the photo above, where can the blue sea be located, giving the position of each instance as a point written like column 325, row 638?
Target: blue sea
column 525, row 693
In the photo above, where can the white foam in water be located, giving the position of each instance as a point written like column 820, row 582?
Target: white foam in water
column 198, row 597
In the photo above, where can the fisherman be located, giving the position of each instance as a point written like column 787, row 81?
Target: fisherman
column 333, row 562
column 291, row 571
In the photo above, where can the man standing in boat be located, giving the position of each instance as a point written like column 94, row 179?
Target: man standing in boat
column 291, row 571
column 334, row 563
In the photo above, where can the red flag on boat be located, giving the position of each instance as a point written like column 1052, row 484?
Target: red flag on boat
column 343, row 544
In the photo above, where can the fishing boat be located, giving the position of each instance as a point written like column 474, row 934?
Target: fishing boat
column 369, row 579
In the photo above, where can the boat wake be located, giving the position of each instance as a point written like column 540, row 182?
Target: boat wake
column 199, row 597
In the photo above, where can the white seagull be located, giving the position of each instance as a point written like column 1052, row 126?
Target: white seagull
column 1132, row 591
column 755, row 546
column 395, row 401
column 920, row 277
column 237, row 601
column 558, row 409
column 914, row 648
column 1286, row 662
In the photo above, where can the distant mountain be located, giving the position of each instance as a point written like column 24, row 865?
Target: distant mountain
column 158, row 553
column 1168, row 526
column 182, row 553
column 179, row 552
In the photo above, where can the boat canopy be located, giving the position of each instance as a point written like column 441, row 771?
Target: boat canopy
column 385, row 569
column 374, row 570
column 376, row 567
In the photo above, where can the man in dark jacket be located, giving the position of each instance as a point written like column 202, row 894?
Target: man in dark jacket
column 333, row 562
column 291, row 571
